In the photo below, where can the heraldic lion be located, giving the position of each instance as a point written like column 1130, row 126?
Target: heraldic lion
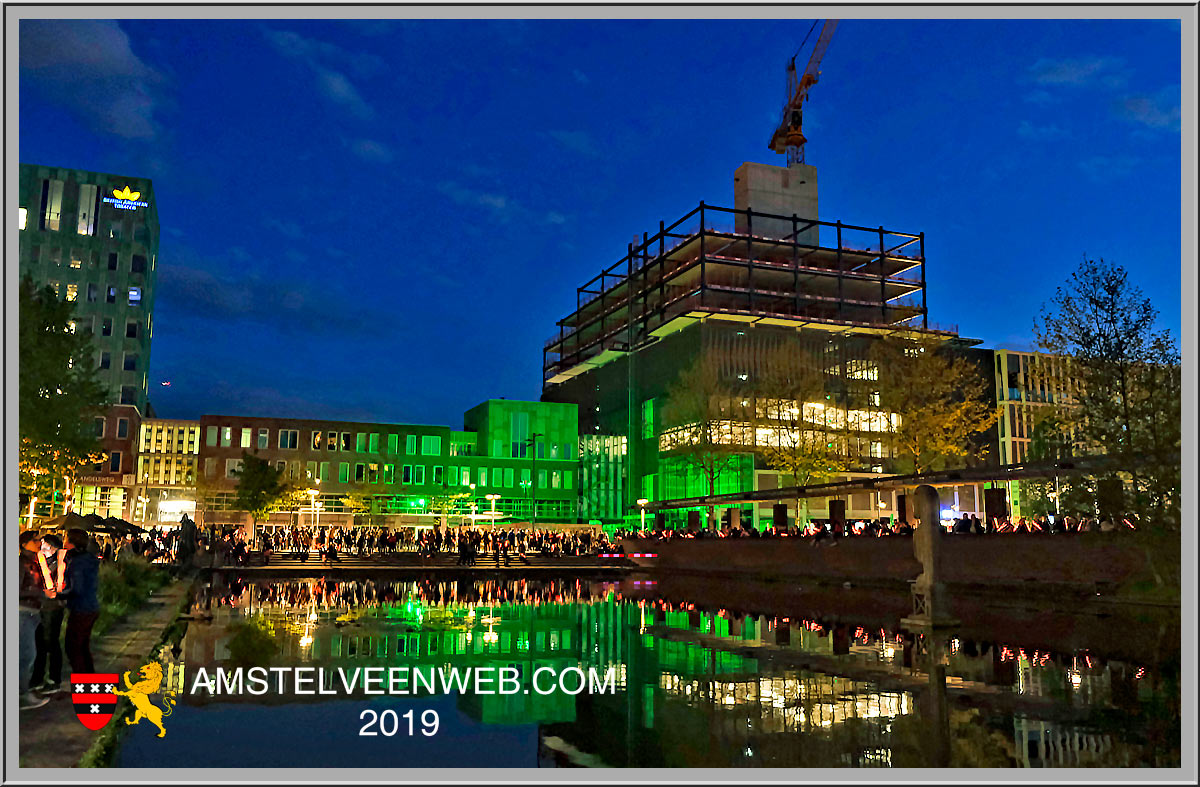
column 139, row 694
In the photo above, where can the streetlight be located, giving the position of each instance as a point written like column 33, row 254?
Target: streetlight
column 525, row 488
column 532, row 443
column 312, row 498
column 474, row 503
column 642, row 502
column 493, row 498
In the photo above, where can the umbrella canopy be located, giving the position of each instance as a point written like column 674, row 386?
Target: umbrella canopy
column 66, row 522
column 121, row 526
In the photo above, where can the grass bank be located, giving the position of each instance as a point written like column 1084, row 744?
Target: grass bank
column 124, row 586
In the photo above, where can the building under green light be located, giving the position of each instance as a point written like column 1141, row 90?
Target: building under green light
column 404, row 474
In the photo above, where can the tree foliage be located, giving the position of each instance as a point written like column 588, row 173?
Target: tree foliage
column 59, row 394
column 697, row 417
column 941, row 397
column 261, row 488
column 1128, row 375
column 797, row 437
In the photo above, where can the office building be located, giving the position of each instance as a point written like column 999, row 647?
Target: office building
column 93, row 238
column 402, row 474
column 729, row 285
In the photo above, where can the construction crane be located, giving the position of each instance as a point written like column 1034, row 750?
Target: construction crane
column 788, row 137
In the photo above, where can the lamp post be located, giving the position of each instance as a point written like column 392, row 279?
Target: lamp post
column 493, row 498
column 532, row 443
column 525, row 488
column 642, row 503
column 474, row 503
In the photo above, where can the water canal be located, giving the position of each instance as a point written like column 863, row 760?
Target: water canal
column 775, row 677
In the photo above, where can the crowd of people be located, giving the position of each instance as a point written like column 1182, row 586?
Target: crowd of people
column 967, row 524
column 326, row 544
column 59, row 578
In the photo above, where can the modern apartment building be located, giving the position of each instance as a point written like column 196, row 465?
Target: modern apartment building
column 93, row 238
column 107, row 488
column 402, row 473
column 1029, row 385
column 168, row 453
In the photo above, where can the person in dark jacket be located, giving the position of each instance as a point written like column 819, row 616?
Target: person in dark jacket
column 29, row 605
column 80, row 588
column 48, row 662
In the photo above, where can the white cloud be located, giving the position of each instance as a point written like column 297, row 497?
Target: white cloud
column 577, row 141
column 1028, row 130
column 337, row 88
column 372, row 151
column 1107, row 72
column 329, row 64
column 1105, row 169
column 289, row 229
column 1157, row 111
column 90, row 67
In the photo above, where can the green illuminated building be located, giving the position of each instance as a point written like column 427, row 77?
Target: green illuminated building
column 93, row 238
column 730, row 285
column 404, row 474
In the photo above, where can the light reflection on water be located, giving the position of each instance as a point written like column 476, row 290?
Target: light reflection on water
column 695, row 687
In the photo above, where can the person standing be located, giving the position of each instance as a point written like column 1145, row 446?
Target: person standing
column 80, row 589
column 49, row 659
column 29, row 605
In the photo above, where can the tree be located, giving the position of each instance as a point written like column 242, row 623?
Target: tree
column 941, row 399
column 1128, row 377
column 699, row 418
column 261, row 489
column 445, row 503
column 793, row 432
column 59, row 394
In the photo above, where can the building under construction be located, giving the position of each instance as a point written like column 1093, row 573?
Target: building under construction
column 729, row 284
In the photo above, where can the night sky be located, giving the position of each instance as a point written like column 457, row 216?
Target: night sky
column 384, row 220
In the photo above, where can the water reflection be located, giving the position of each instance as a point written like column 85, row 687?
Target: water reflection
column 694, row 686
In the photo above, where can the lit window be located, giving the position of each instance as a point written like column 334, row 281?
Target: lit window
column 24, row 212
column 226, row 436
column 245, row 437
column 72, row 292
column 135, row 295
column 410, row 444
column 86, row 224
column 52, row 204
column 76, row 260
column 419, row 475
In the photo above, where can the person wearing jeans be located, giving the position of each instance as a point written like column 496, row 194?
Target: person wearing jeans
column 29, row 603
column 81, row 592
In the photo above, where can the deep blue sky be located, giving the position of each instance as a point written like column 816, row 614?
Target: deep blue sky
column 383, row 221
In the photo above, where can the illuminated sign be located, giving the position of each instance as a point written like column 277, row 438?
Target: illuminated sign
column 126, row 199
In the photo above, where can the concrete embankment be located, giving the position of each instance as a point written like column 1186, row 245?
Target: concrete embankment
column 1014, row 561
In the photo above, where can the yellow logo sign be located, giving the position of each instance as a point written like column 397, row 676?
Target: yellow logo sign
column 139, row 694
column 125, row 193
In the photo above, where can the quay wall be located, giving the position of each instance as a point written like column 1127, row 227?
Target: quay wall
column 1081, row 560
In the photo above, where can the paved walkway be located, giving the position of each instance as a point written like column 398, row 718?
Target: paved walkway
column 51, row 736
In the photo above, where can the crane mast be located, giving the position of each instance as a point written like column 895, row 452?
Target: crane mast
column 788, row 137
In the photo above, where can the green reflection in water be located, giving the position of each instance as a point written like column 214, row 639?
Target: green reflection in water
column 704, row 688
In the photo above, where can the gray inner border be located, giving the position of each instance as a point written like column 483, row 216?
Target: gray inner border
column 1187, row 774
